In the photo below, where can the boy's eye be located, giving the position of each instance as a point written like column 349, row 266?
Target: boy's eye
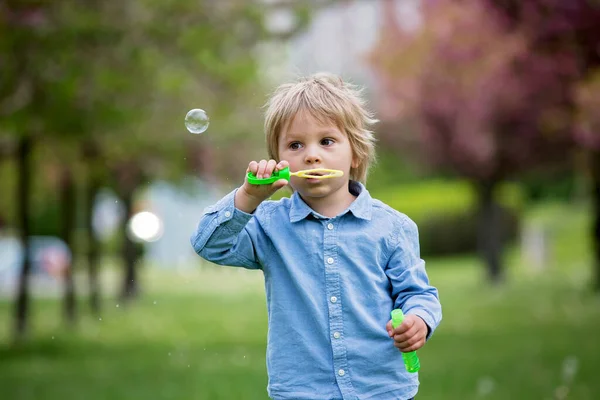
column 327, row 142
column 295, row 145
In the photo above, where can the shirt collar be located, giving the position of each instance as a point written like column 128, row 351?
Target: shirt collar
column 360, row 207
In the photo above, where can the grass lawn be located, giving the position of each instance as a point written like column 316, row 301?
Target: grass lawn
column 200, row 334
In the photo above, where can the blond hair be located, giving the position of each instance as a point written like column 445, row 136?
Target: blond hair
column 328, row 99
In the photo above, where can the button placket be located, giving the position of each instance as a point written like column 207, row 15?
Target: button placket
column 334, row 299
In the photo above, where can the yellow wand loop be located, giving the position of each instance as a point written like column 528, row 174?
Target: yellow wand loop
column 316, row 173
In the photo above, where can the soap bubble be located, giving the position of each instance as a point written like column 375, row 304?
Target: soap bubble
column 196, row 121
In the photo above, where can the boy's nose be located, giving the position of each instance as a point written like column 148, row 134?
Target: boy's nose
column 312, row 159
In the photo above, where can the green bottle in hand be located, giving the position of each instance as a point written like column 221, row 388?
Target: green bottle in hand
column 411, row 360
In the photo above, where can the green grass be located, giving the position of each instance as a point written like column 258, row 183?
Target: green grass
column 201, row 335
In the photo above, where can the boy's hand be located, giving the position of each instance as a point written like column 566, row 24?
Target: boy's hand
column 410, row 335
column 248, row 197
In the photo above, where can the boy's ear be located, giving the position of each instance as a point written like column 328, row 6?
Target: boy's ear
column 355, row 162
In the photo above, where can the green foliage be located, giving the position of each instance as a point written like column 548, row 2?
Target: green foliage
column 560, row 185
column 423, row 199
column 458, row 232
column 390, row 170
column 445, row 212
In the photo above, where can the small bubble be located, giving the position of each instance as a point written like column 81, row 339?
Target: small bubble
column 117, row 306
column 100, row 319
column 154, row 301
column 196, row 121
column 52, row 337
column 169, row 354
column 561, row 392
column 569, row 368
column 188, row 365
column 485, row 386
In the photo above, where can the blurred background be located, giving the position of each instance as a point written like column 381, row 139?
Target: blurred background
column 489, row 139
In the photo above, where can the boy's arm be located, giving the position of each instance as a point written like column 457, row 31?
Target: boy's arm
column 225, row 235
column 411, row 290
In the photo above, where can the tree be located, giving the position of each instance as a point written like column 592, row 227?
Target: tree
column 559, row 27
column 483, row 101
column 587, row 97
column 97, row 78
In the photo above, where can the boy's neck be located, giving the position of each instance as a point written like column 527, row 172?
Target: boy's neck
column 332, row 205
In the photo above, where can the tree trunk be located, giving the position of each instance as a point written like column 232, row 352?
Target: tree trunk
column 490, row 230
column 129, row 177
column 93, row 244
column 67, row 202
column 129, row 252
column 23, row 195
column 93, row 249
column 595, row 175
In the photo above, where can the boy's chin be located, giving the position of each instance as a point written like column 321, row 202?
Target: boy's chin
column 319, row 190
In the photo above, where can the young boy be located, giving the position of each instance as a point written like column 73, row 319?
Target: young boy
column 335, row 260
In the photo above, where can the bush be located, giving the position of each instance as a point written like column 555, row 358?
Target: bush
column 456, row 233
column 445, row 212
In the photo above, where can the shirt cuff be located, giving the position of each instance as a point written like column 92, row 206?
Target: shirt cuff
column 227, row 215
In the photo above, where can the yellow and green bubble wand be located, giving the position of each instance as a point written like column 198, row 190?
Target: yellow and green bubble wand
column 411, row 360
column 315, row 173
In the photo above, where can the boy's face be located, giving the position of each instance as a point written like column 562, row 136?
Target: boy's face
column 307, row 143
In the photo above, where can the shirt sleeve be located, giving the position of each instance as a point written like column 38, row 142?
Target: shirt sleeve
column 226, row 235
column 411, row 290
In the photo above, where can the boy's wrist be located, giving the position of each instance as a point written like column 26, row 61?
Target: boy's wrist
column 246, row 202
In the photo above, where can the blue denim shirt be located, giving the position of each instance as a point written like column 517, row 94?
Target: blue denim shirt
column 330, row 286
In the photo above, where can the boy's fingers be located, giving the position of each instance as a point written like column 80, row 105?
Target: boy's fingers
column 282, row 164
column 401, row 337
column 404, row 327
column 389, row 329
column 279, row 184
column 270, row 167
column 405, row 348
column 252, row 167
column 262, row 165
column 407, row 342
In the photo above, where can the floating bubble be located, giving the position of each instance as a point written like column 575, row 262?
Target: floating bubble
column 196, row 121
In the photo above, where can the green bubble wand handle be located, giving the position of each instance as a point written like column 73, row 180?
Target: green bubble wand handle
column 316, row 173
column 411, row 360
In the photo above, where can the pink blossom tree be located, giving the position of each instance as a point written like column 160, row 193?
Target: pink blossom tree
column 556, row 26
column 481, row 100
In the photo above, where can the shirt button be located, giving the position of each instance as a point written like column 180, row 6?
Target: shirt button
column 336, row 335
column 333, row 299
column 330, row 226
column 227, row 214
column 330, row 260
column 341, row 372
